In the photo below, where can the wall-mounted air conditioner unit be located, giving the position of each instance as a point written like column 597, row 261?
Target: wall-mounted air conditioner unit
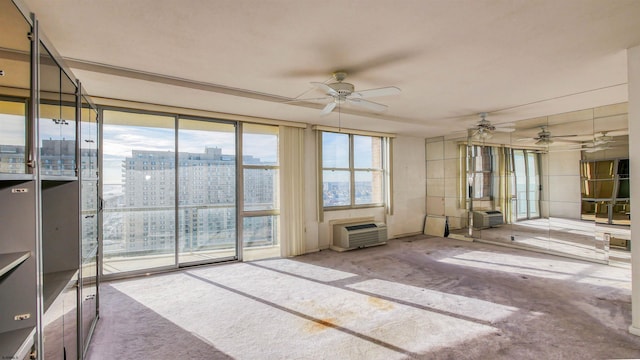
column 487, row 219
column 353, row 236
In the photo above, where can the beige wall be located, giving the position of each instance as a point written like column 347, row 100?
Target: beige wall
column 408, row 194
column 409, row 183
column 561, row 185
column 443, row 180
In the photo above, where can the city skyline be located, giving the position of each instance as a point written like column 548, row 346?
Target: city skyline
column 119, row 141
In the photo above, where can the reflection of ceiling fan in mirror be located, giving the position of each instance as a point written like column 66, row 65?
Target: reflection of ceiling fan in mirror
column 484, row 130
column 544, row 137
column 600, row 142
column 340, row 92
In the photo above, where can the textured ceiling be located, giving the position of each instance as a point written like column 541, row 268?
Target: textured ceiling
column 515, row 59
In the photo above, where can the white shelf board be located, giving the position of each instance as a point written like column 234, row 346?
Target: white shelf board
column 8, row 261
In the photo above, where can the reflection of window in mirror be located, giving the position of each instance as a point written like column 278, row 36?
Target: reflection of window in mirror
column 604, row 169
column 623, row 177
column 482, row 172
column 623, row 189
column 603, row 189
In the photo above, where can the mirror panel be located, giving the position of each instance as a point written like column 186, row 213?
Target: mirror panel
column 561, row 184
column 529, row 224
column 568, row 196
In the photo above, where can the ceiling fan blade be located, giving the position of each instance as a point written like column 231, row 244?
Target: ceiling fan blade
column 601, row 141
column 326, row 88
column 385, row 91
column 329, row 108
column 544, row 142
column 370, row 105
column 562, row 136
column 595, row 149
column 504, row 129
column 320, row 99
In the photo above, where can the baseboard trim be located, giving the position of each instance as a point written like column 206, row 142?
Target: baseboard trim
column 460, row 237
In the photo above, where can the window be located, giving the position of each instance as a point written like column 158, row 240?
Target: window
column 261, row 185
column 481, row 170
column 352, row 170
column 130, row 201
column 526, row 165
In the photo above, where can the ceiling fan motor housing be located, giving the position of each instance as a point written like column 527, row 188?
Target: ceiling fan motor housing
column 342, row 88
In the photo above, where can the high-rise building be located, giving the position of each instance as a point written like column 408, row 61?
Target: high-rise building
column 206, row 199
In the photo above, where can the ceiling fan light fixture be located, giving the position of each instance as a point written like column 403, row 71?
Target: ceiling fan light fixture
column 480, row 134
column 342, row 88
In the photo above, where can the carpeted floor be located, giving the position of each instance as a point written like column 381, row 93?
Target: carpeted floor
column 418, row 297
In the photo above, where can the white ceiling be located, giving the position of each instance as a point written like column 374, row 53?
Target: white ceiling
column 516, row 59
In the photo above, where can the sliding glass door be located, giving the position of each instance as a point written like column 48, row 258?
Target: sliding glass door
column 206, row 191
column 183, row 190
column 527, row 184
column 170, row 191
column 533, row 188
column 138, row 191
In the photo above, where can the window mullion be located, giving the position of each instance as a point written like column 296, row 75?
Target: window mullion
column 352, row 180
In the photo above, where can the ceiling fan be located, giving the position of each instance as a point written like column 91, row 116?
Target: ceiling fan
column 340, row 92
column 544, row 137
column 603, row 139
column 483, row 130
column 600, row 142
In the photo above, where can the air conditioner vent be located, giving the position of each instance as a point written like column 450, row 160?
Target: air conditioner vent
column 361, row 226
column 353, row 236
column 487, row 219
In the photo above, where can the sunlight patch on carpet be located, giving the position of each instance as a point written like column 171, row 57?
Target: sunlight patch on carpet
column 577, row 271
column 308, row 271
column 250, row 312
column 244, row 328
column 403, row 326
column 450, row 303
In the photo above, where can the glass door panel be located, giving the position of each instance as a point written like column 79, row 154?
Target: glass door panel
column 89, row 220
column 138, row 190
column 15, row 57
column 533, row 177
column 206, row 191
column 520, row 176
column 529, row 229
column 13, row 137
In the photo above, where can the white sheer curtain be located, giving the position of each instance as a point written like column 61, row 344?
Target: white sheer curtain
column 292, row 218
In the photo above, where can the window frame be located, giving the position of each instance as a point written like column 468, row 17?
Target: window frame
column 245, row 213
column 352, row 170
column 475, row 150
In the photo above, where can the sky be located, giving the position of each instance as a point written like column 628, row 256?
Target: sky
column 119, row 140
column 335, row 154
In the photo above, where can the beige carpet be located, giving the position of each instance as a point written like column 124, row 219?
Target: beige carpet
column 418, row 297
